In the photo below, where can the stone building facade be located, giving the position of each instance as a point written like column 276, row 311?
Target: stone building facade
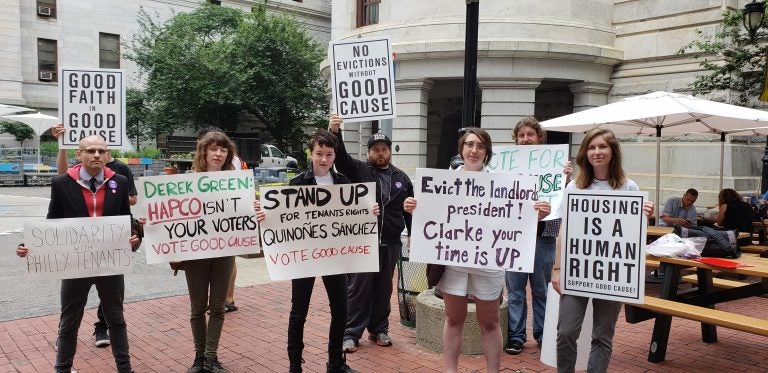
column 81, row 33
column 536, row 57
column 545, row 58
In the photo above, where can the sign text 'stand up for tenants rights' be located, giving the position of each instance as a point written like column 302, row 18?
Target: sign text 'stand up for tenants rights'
column 547, row 162
column 474, row 219
column 92, row 102
column 363, row 79
column 78, row 247
column 603, row 245
column 198, row 215
column 319, row 230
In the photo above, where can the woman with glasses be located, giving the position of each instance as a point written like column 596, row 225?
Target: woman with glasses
column 484, row 285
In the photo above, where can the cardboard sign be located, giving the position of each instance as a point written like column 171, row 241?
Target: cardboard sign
column 474, row 219
column 198, row 215
column 92, row 102
column 363, row 79
column 319, row 230
column 79, row 247
column 545, row 161
column 603, row 245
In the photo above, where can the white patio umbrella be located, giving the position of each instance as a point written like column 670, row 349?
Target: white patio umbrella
column 663, row 113
column 10, row 109
column 38, row 121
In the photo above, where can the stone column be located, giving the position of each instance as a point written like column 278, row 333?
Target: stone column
column 587, row 95
column 10, row 53
column 505, row 102
column 409, row 130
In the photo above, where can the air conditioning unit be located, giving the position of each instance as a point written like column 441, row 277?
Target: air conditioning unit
column 44, row 11
column 46, row 75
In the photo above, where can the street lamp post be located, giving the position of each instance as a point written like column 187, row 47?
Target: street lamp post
column 753, row 18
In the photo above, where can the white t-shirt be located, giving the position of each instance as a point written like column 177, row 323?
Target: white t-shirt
column 629, row 186
column 324, row 180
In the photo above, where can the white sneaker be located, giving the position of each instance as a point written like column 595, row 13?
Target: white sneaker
column 349, row 346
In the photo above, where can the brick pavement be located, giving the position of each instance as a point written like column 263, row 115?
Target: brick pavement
column 254, row 341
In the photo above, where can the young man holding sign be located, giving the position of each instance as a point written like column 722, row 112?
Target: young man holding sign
column 528, row 131
column 599, row 161
column 370, row 293
column 323, row 154
column 90, row 190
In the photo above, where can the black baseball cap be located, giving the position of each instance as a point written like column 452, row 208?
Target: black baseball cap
column 379, row 137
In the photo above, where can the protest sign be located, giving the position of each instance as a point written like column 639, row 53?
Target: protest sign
column 79, row 247
column 363, row 79
column 319, row 230
column 198, row 215
column 545, row 161
column 603, row 247
column 474, row 219
column 92, row 102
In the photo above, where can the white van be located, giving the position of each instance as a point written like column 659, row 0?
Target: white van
column 271, row 156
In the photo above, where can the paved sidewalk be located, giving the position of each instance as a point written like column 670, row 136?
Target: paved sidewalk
column 254, row 341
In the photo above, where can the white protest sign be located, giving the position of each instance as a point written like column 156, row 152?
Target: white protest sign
column 79, row 247
column 92, row 102
column 545, row 161
column 474, row 219
column 198, row 215
column 363, row 79
column 319, row 230
column 603, row 246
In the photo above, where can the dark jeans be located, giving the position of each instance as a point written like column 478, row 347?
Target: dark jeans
column 101, row 323
column 204, row 275
column 370, row 294
column 74, row 295
column 516, row 289
column 301, row 294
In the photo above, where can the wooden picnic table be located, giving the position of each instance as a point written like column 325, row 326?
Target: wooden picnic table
column 699, row 303
column 656, row 231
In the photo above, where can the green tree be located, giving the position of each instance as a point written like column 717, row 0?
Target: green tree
column 137, row 121
column 735, row 63
column 20, row 131
column 211, row 66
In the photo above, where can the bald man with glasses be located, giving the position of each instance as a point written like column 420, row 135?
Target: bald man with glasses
column 90, row 190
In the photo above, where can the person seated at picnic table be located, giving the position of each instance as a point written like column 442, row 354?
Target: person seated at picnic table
column 680, row 210
column 735, row 214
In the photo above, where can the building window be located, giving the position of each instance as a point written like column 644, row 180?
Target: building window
column 299, row 1
column 367, row 12
column 109, row 51
column 215, row 2
column 46, row 8
column 47, row 60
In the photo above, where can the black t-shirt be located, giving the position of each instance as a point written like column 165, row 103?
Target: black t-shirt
column 121, row 168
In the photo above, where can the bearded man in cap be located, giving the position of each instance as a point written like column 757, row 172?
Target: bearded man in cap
column 370, row 293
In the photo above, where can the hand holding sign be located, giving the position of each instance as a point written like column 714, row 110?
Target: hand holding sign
column 335, row 123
